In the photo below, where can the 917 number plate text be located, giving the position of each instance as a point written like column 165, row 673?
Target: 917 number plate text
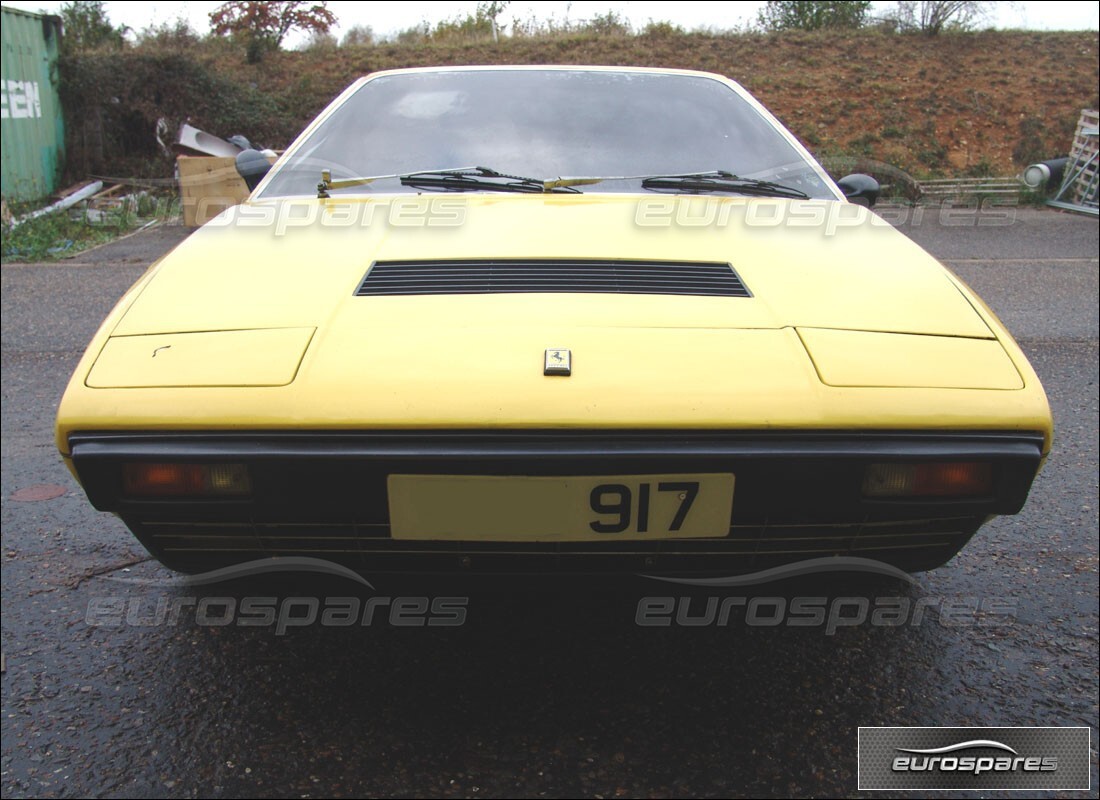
column 538, row 509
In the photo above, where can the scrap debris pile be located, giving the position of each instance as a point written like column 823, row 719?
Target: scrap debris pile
column 101, row 199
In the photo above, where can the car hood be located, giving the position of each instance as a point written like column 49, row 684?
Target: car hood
column 258, row 325
column 297, row 264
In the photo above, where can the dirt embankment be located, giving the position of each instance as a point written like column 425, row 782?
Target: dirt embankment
column 982, row 103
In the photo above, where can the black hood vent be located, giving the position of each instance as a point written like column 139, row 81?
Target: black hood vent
column 511, row 275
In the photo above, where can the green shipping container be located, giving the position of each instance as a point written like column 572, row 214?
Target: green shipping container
column 32, row 131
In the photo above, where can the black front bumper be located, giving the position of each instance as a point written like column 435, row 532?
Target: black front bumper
column 323, row 494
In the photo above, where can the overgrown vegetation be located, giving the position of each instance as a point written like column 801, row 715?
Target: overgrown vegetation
column 262, row 26
column 113, row 101
column 87, row 27
column 65, row 233
column 813, row 15
column 933, row 17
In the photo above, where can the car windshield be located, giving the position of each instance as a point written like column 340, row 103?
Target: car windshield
column 544, row 124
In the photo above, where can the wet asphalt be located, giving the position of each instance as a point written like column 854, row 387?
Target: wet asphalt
column 546, row 689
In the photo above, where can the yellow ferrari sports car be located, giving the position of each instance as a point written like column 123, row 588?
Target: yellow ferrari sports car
column 529, row 319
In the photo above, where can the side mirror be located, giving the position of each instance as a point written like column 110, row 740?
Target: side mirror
column 858, row 188
column 252, row 165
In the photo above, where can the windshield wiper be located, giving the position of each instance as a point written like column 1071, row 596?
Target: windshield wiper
column 720, row 181
column 470, row 178
column 459, row 179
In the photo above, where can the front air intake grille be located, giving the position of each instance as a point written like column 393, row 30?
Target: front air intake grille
column 502, row 276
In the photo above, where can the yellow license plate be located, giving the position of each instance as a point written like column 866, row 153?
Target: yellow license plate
column 560, row 509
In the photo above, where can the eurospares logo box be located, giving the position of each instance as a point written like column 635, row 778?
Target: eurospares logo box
column 1031, row 759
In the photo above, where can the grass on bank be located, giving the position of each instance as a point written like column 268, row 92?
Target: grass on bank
column 65, row 233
